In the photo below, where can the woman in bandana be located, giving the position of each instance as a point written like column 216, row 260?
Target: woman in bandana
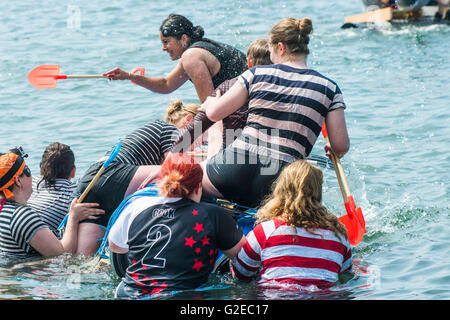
column 22, row 230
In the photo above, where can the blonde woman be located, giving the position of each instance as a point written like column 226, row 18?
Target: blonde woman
column 296, row 240
column 141, row 150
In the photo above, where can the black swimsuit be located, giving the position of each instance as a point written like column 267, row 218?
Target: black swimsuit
column 232, row 61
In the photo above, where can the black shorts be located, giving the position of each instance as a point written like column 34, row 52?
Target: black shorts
column 245, row 179
column 109, row 190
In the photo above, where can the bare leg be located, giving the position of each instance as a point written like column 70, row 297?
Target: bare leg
column 214, row 139
column 141, row 174
column 88, row 234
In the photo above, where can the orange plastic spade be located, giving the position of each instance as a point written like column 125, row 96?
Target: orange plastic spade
column 46, row 76
column 354, row 219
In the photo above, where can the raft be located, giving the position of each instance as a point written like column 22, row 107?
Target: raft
column 396, row 17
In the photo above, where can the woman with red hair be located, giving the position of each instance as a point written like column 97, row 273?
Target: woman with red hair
column 172, row 240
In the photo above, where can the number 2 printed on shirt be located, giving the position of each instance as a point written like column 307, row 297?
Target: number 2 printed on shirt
column 158, row 234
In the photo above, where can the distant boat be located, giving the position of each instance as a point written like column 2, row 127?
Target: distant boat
column 396, row 17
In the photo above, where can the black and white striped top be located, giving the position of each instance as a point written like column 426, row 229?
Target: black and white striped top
column 18, row 225
column 287, row 108
column 52, row 203
column 147, row 145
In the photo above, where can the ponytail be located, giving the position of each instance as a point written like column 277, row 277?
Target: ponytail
column 181, row 175
column 294, row 33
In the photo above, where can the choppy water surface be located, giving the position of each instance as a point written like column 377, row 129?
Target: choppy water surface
column 395, row 83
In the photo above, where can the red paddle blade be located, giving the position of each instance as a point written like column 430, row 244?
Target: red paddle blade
column 44, row 76
column 354, row 222
column 140, row 70
column 354, row 231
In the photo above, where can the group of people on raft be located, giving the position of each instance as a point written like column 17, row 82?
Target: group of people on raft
column 269, row 108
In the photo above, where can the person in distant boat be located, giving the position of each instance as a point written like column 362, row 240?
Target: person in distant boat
column 296, row 239
column 373, row 4
column 172, row 240
column 141, row 150
column 287, row 106
column 205, row 62
column 52, row 191
column 23, row 232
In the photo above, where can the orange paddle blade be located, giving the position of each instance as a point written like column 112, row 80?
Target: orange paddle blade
column 354, row 232
column 140, row 70
column 44, row 76
column 354, row 222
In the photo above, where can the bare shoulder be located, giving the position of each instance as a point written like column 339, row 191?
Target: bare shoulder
column 195, row 56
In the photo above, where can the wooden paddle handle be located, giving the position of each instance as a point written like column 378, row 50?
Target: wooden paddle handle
column 86, row 76
column 88, row 188
column 343, row 184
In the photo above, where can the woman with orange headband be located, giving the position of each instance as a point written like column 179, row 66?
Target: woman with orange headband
column 22, row 231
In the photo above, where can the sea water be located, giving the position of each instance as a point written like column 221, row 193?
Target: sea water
column 395, row 82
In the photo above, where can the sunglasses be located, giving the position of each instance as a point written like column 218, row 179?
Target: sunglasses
column 27, row 171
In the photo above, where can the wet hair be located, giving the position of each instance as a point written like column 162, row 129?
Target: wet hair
column 296, row 198
column 57, row 162
column 259, row 53
column 180, row 176
column 294, row 33
column 176, row 25
column 177, row 111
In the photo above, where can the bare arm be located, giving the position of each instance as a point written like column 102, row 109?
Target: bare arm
column 115, row 248
column 233, row 252
column 195, row 66
column 166, row 84
column 337, row 133
column 219, row 107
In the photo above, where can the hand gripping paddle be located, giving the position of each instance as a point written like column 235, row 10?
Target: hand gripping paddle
column 354, row 220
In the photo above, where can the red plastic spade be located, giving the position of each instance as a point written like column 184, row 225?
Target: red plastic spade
column 354, row 219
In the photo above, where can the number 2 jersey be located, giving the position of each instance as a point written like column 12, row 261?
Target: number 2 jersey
column 172, row 243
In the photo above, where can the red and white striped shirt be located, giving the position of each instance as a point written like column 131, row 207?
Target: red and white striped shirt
column 287, row 254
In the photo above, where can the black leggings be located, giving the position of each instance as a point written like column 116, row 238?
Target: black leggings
column 245, row 179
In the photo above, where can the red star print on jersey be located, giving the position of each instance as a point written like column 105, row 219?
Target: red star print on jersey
column 197, row 250
column 198, row 265
column 198, row 227
column 205, row 241
column 158, row 290
column 189, row 241
column 194, row 212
